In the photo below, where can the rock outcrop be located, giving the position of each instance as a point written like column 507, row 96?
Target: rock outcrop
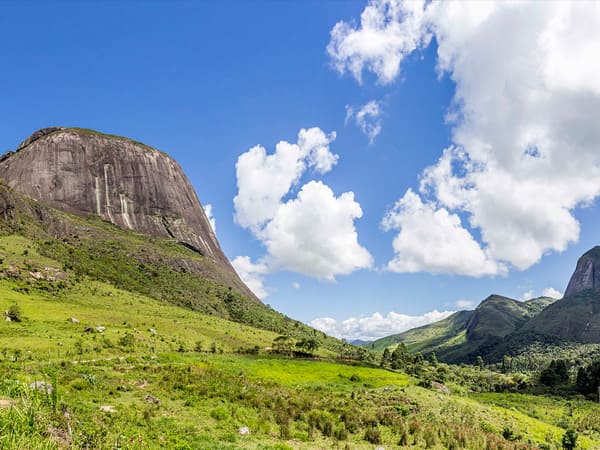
column 577, row 315
column 125, row 182
column 587, row 273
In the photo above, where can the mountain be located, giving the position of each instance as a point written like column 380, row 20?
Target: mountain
column 108, row 209
column 464, row 335
column 577, row 315
column 123, row 181
column 503, row 326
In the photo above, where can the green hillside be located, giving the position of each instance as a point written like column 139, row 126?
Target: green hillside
column 164, row 376
column 576, row 317
column 158, row 268
column 118, row 340
column 428, row 336
column 465, row 335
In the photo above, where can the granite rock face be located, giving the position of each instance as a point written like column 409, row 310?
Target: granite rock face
column 125, row 182
column 587, row 273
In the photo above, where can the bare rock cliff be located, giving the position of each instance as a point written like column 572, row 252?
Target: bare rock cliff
column 125, row 182
column 587, row 273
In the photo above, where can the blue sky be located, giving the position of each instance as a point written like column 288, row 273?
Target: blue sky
column 207, row 82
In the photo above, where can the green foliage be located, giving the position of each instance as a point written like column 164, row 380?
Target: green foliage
column 588, row 379
column 569, row 439
column 14, row 313
column 373, row 435
column 556, row 373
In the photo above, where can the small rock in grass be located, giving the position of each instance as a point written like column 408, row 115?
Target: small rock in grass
column 153, row 331
column 151, row 399
column 100, row 329
column 108, row 409
column 244, row 431
column 74, row 320
column 42, row 386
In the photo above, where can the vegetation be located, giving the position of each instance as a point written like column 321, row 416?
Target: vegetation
column 122, row 348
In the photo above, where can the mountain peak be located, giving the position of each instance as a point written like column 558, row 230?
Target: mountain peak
column 128, row 183
column 587, row 273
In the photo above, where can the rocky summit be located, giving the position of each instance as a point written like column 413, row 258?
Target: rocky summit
column 587, row 273
column 123, row 181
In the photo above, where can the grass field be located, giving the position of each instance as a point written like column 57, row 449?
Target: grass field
column 159, row 375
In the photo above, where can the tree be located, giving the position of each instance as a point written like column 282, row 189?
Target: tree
column 569, row 440
column 588, row 378
column 400, row 356
column 309, row 345
column 385, row 358
column 283, row 344
column 433, row 359
column 556, row 373
column 480, row 363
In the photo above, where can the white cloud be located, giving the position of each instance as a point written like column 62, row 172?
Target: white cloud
column 551, row 292
column 296, row 285
column 312, row 233
column 252, row 274
column 388, row 31
column 208, row 209
column 434, row 240
column 375, row 326
column 465, row 304
column 367, row 117
column 263, row 180
column 525, row 138
column 528, row 295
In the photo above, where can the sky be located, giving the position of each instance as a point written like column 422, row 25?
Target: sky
column 369, row 166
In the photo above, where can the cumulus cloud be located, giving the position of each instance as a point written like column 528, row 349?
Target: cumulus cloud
column 367, row 117
column 296, row 285
column 208, row 209
column 375, row 326
column 551, row 292
column 465, row 304
column 312, row 233
column 263, row 180
column 525, row 138
column 252, row 274
column 434, row 240
column 388, row 31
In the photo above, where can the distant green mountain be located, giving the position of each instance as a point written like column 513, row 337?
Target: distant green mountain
column 502, row 326
column 464, row 335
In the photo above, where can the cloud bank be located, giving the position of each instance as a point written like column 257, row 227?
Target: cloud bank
column 375, row 326
column 526, row 143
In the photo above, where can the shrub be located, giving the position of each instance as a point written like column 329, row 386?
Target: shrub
column 569, row 440
column 373, row 435
column 127, row 340
column 219, row 413
column 14, row 313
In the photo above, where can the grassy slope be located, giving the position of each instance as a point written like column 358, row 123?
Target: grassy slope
column 463, row 335
column 428, row 336
column 158, row 268
column 204, row 397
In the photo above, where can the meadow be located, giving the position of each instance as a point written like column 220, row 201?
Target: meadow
column 129, row 371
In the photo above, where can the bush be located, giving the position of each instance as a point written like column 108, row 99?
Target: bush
column 373, row 435
column 219, row 413
column 569, row 440
column 14, row 313
column 127, row 340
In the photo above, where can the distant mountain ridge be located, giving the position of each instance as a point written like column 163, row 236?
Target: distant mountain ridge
column 501, row 325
